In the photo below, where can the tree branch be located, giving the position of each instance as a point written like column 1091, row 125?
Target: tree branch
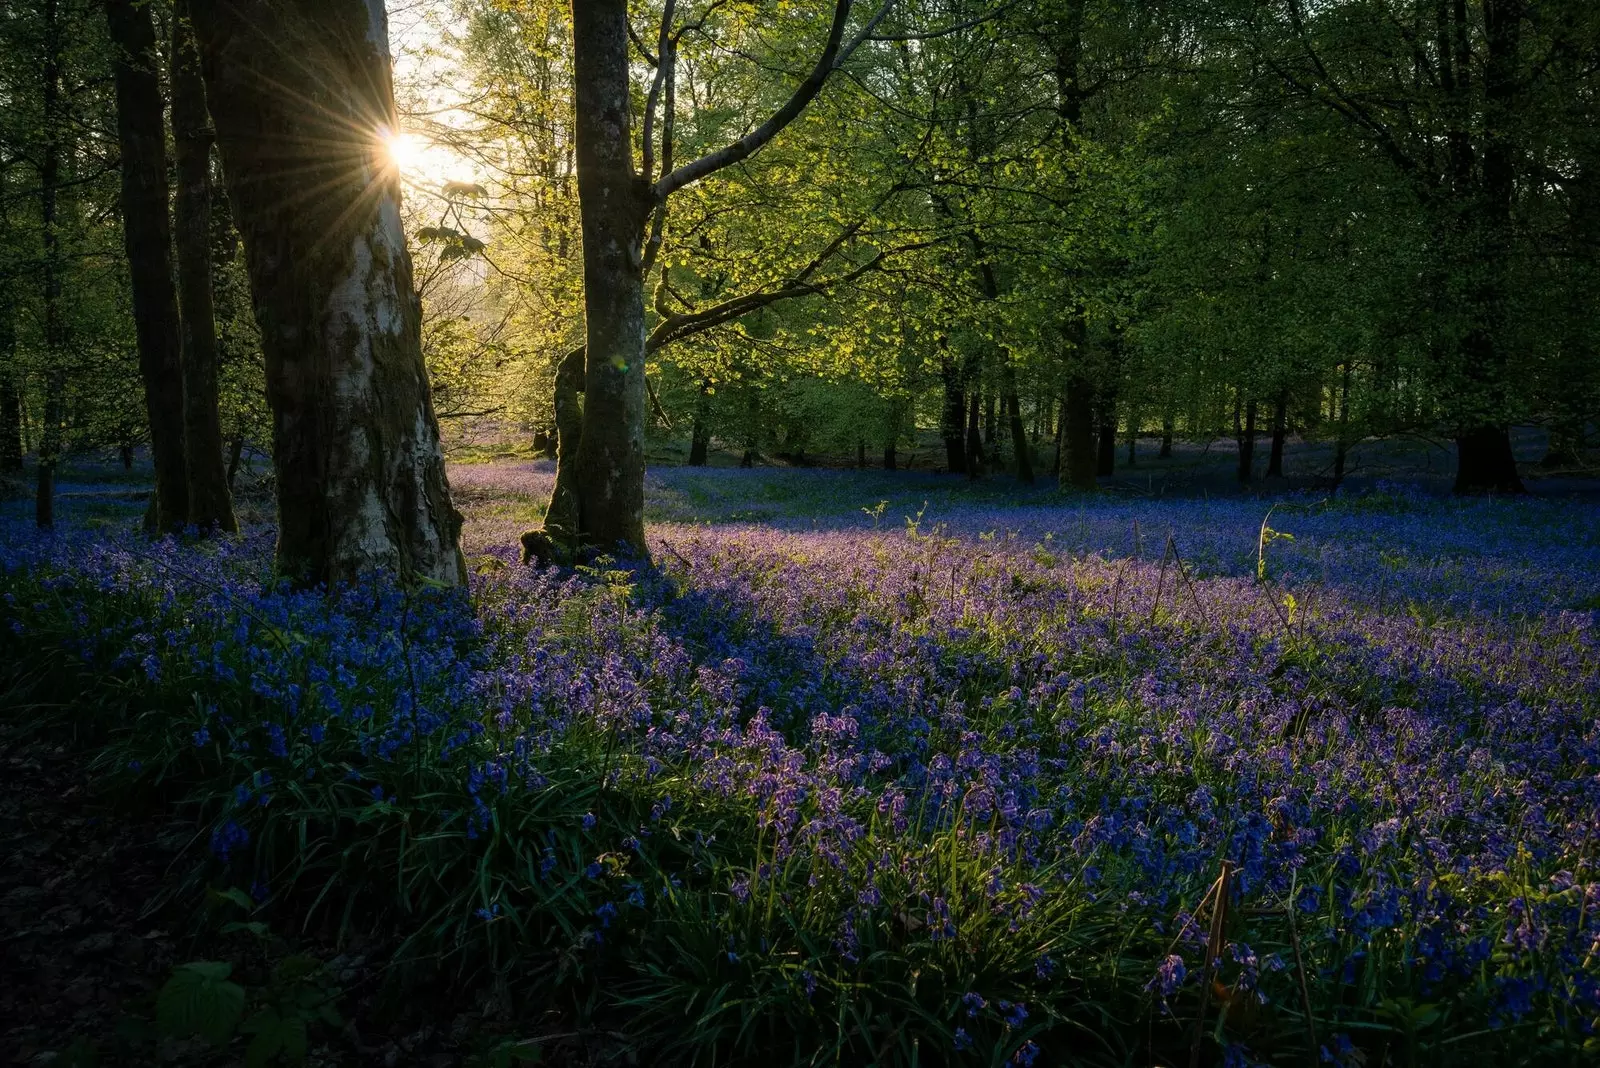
column 741, row 149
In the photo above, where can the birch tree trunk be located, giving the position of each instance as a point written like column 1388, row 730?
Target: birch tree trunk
column 301, row 95
column 210, row 503
column 147, row 236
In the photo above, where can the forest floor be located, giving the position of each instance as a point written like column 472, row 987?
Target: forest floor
column 88, row 914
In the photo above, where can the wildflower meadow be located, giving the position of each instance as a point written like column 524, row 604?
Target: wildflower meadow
column 879, row 778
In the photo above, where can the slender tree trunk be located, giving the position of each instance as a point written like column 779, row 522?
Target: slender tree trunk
column 1280, row 422
column 952, row 424
column 1133, row 437
column 1342, row 444
column 1247, row 443
column 891, row 436
column 147, row 235
column 975, row 457
column 360, row 471
column 1166, row 435
column 1078, row 448
column 10, row 396
column 50, row 273
column 1020, row 446
column 210, row 504
column 988, row 421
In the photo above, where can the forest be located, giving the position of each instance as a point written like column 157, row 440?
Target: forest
column 729, row 532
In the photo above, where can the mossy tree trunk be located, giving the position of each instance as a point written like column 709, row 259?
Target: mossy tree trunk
column 360, row 471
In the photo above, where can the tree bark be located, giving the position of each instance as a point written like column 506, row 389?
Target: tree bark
column 1247, row 443
column 1280, row 422
column 700, row 434
column 699, row 443
column 952, row 424
column 147, row 236
column 360, row 471
column 1078, row 459
column 10, row 396
column 1106, row 455
column 1019, row 433
column 1484, row 460
column 1166, row 435
column 210, row 503
column 50, row 273
column 1342, row 446
column 614, row 204
column 891, row 436
column 975, row 457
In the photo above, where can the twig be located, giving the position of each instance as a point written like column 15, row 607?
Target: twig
column 1300, row 974
column 1219, row 921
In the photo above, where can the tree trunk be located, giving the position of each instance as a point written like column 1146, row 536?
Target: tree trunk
column 147, row 236
column 700, row 435
column 976, row 462
column 614, row 209
column 1106, row 454
column 891, row 436
column 1484, row 460
column 561, row 515
column 210, row 504
column 988, row 422
column 1247, row 442
column 10, row 397
column 360, row 471
column 1019, row 433
column 699, row 443
column 1166, row 435
column 1280, row 421
column 952, row 425
column 1342, row 446
column 50, row 273
column 235, row 454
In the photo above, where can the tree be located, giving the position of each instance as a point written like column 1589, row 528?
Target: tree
column 147, row 235
column 618, row 206
column 301, row 97
column 210, row 503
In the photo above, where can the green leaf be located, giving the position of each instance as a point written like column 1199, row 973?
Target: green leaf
column 294, row 1039
column 267, row 1026
column 199, row 1000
